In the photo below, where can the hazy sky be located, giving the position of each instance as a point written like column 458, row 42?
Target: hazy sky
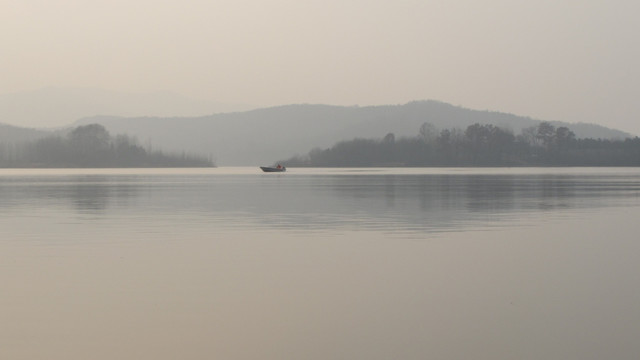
column 553, row 60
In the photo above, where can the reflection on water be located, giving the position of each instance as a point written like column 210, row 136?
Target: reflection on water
column 319, row 264
column 395, row 200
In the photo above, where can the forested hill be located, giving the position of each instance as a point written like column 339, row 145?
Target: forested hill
column 260, row 136
column 477, row 145
column 90, row 146
column 11, row 134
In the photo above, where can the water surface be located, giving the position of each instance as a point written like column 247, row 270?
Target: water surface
column 320, row 263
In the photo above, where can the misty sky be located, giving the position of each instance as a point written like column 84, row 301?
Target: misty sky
column 553, row 60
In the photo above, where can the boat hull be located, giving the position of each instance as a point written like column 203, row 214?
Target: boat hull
column 273, row 169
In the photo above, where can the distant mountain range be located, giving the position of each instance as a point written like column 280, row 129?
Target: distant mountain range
column 266, row 135
column 262, row 136
column 53, row 107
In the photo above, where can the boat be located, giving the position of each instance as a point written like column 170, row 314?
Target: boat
column 278, row 168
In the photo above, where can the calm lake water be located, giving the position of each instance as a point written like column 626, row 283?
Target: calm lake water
column 232, row 263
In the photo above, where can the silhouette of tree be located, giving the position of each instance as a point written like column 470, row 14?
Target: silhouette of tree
column 428, row 132
column 546, row 133
column 564, row 137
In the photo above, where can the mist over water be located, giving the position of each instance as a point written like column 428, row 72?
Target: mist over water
column 320, row 263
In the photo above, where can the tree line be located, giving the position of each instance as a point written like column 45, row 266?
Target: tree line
column 477, row 145
column 91, row 146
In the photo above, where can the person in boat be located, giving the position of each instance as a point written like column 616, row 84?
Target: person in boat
column 279, row 166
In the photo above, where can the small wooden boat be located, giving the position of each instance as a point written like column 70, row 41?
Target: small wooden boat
column 273, row 168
